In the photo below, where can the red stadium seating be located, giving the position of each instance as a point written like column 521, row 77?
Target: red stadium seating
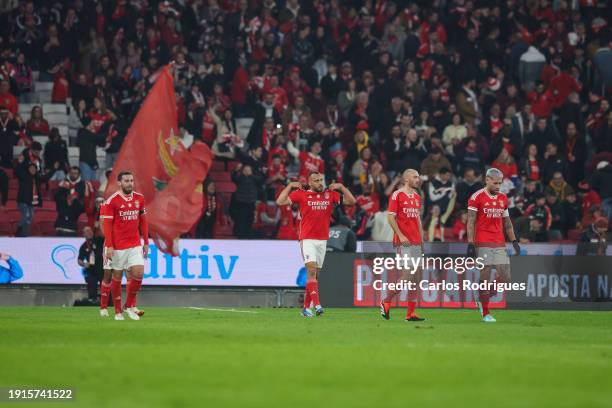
column 7, row 228
column 43, row 216
column 220, row 176
column 46, row 228
column 226, row 187
column 574, row 234
column 217, row 165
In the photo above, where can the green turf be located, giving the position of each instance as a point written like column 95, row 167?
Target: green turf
column 347, row 358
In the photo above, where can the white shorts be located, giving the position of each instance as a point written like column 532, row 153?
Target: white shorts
column 313, row 250
column 126, row 258
column 493, row 255
column 107, row 264
column 413, row 251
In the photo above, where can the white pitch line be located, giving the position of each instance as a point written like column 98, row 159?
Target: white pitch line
column 221, row 310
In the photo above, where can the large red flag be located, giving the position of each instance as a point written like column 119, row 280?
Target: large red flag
column 169, row 176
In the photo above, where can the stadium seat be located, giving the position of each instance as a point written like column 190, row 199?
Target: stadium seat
column 226, row 187
column 13, row 215
column 574, row 234
column 12, row 194
column 217, row 165
column 232, row 165
column 223, row 229
column 46, row 228
column 49, row 205
column 449, row 235
column 51, row 108
column 220, row 176
column 44, row 216
column 6, row 228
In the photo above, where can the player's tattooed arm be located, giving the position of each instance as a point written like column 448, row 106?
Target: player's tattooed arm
column 509, row 229
column 347, row 196
column 471, row 223
column 511, row 235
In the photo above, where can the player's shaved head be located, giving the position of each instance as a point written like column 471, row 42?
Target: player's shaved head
column 411, row 178
column 493, row 180
column 315, row 181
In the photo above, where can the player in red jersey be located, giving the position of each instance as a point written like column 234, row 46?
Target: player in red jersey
column 488, row 218
column 124, row 224
column 105, row 285
column 315, row 208
column 405, row 220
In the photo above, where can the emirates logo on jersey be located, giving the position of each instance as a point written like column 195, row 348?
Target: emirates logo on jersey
column 411, row 212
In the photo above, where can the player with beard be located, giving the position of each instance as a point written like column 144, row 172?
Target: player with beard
column 405, row 220
column 488, row 218
column 125, row 224
column 316, row 205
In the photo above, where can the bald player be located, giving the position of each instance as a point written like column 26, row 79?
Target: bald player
column 316, row 205
column 405, row 220
column 488, row 218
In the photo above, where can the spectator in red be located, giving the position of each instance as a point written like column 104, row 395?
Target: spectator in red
column 276, row 177
column 99, row 115
column 589, row 198
column 288, row 223
column 218, row 100
column 170, row 34
column 309, row 161
column 460, row 226
column 37, row 125
column 506, row 164
column 24, row 79
column 540, row 211
column 7, row 99
column 530, row 167
column 294, row 84
column 542, row 101
column 281, row 101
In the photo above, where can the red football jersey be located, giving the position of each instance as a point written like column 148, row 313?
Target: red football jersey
column 124, row 212
column 315, row 212
column 407, row 211
column 309, row 163
column 489, row 229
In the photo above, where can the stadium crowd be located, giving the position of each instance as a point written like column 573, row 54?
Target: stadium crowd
column 357, row 90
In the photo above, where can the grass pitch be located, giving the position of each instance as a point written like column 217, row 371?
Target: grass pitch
column 179, row 357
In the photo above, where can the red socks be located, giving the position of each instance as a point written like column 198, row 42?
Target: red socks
column 484, row 301
column 391, row 295
column 116, row 293
column 105, row 289
column 312, row 290
column 307, row 298
column 411, row 307
column 133, row 286
column 485, row 308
